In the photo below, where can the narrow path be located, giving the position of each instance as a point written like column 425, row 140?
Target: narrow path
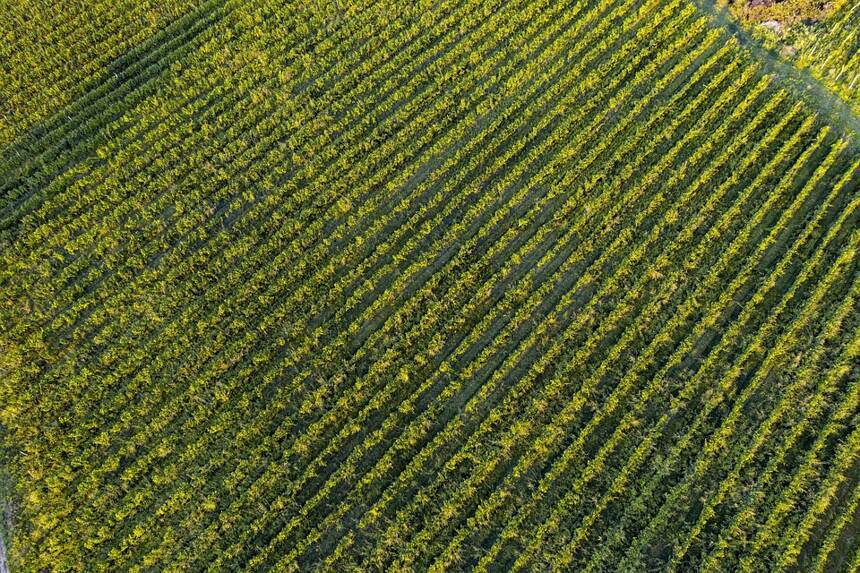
column 4, row 565
column 5, row 508
column 799, row 82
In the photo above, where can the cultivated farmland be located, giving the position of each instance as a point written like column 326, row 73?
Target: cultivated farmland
column 442, row 285
column 833, row 55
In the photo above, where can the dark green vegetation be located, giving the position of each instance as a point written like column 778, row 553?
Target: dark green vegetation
column 446, row 285
column 822, row 38
column 831, row 51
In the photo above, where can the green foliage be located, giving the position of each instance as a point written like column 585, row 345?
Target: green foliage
column 786, row 12
column 446, row 285
column 832, row 53
column 821, row 37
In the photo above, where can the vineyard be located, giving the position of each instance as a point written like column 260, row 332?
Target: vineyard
column 445, row 285
column 834, row 55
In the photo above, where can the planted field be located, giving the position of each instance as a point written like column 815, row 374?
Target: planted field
column 54, row 53
column 445, row 285
column 833, row 55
